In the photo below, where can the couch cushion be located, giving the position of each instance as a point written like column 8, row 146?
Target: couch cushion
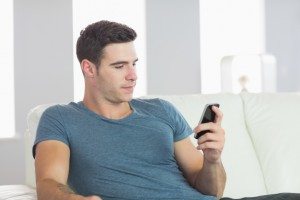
column 17, row 192
column 274, row 126
column 244, row 177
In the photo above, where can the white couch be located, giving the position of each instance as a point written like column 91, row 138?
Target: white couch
column 262, row 148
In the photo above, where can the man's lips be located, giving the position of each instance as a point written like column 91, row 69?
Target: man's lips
column 129, row 88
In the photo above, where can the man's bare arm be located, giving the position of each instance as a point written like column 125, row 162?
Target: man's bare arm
column 52, row 169
column 211, row 179
column 50, row 189
column 212, row 176
column 206, row 177
column 204, row 172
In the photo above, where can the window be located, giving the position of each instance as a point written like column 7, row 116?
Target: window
column 7, row 113
column 231, row 27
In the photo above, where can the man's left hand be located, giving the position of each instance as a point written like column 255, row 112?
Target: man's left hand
column 212, row 142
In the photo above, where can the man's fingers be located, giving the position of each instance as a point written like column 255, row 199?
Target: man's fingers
column 208, row 137
column 219, row 115
column 211, row 145
column 206, row 126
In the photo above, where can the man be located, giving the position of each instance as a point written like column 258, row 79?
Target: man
column 115, row 147
column 110, row 146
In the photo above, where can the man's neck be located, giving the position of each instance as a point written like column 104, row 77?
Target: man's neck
column 108, row 109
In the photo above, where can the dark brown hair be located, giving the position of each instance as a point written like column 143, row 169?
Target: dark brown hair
column 96, row 36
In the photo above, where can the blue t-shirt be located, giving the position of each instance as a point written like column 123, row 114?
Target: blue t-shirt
column 128, row 158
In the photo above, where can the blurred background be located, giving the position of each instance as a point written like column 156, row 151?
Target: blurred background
column 184, row 47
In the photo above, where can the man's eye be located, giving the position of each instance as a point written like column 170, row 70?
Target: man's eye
column 119, row 66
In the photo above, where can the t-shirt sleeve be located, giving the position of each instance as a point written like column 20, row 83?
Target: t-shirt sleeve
column 180, row 126
column 51, row 127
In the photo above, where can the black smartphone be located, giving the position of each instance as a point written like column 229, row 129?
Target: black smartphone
column 208, row 115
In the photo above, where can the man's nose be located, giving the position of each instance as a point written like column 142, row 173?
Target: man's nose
column 131, row 74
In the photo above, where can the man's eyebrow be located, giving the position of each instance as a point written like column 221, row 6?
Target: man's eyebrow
column 122, row 62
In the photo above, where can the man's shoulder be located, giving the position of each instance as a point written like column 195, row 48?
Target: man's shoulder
column 148, row 102
column 61, row 108
column 145, row 100
column 154, row 102
column 156, row 106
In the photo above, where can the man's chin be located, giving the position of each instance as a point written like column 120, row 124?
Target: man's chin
column 128, row 97
column 125, row 97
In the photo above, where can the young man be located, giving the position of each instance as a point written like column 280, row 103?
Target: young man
column 110, row 146
column 116, row 147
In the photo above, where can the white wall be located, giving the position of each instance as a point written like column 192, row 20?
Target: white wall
column 43, row 70
column 283, row 41
column 12, row 161
column 173, row 46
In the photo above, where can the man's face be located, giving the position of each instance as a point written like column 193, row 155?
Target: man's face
column 116, row 77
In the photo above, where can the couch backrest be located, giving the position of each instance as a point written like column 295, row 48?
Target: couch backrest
column 274, row 125
column 244, row 176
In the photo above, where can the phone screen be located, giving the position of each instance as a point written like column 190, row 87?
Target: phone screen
column 208, row 116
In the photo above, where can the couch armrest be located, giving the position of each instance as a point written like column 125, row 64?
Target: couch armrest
column 33, row 118
column 17, row 192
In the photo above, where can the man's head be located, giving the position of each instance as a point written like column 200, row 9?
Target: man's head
column 107, row 57
column 95, row 37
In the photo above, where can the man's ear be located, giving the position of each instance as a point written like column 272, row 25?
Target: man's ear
column 88, row 68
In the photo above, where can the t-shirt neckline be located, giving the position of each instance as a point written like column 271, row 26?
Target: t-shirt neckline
column 81, row 105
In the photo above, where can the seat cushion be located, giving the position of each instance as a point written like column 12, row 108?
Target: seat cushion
column 274, row 126
column 17, row 192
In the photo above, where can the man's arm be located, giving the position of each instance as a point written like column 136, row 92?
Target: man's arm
column 205, row 171
column 52, row 170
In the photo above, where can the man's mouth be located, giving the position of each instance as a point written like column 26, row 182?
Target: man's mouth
column 128, row 88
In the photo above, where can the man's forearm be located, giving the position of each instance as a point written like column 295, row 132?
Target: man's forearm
column 51, row 190
column 211, row 179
